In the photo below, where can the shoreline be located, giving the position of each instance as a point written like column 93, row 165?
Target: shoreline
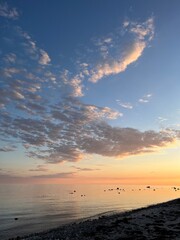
column 159, row 221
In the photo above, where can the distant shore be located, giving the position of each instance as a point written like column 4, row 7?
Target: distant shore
column 161, row 221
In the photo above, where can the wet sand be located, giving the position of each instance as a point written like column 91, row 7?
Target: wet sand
column 161, row 222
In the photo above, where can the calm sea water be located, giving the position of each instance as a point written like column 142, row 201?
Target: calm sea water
column 41, row 207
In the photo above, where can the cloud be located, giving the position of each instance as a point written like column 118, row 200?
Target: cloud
column 40, row 108
column 143, row 33
column 40, row 168
column 9, row 72
column 77, row 132
column 22, row 78
column 120, row 142
column 161, row 119
column 36, row 107
column 17, row 95
column 10, row 58
column 86, row 169
column 75, row 112
column 8, row 177
column 8, row 148
column 108, row 40
column 66, row 129
column 44, row 58
column 120, row 65
column 76, row 84
column 125, row 105
column 145, row 30
column 31, row 48
column 145, row 99
column 7, row 12
column 126, row 24
column 50, row 76
column 2, row 105
column 56, row 175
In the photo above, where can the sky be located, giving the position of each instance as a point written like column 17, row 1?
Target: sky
column 89, row 91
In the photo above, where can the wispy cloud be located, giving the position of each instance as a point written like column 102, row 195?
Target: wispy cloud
column 9, row 148
column 17, row 95
column 39, row 168
column 145, row 99
column 9, row 177
column 44, row 57
column 56, row 175
column 32, row 49
column 143, row 33
column 86, row 169
column 74, row 83
column 8, row 12
column 9, row 72
column 162, row 119
column 10, row 58
column 124, row 104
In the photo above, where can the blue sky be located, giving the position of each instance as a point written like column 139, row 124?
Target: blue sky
column 86, row 79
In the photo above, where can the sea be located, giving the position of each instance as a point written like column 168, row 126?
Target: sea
column 25, row 209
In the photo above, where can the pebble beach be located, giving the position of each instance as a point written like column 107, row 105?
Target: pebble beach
column 161, row 221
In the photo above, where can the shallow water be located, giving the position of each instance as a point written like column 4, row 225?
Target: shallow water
column 41, row 207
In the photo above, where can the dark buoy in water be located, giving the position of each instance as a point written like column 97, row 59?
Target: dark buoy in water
column 15, row 219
